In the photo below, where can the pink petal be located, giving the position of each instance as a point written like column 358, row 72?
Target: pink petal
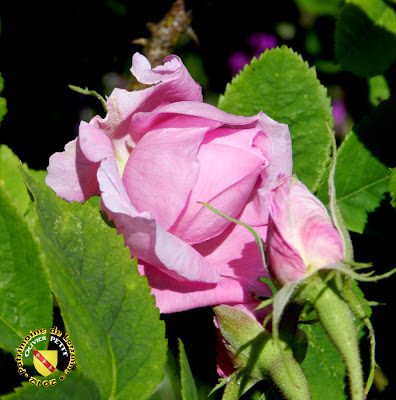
column 162, row 171
column 94, row 144
column 301, row 235
column 173, row 84
column 235, row 255
column 285, row 262
column 206, row 225
column 281, row 158
column 146, row 239
column 208, row 111
column 174, row 295
column 143, row 122
column 234, row 137
column 71, row 175
column 172, row 71
column 226, row 179
column 313, row 232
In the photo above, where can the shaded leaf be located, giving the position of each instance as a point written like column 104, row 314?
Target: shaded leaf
column 392, row 187
column 282, row 85
column 75, row 386
column 3, row 102
column 365, row 37
column 378, row 90
column 188, row 388
column 320, row 7
column 169, row 388
column 362, row 175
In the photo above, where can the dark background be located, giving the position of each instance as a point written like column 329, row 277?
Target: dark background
column 46, row 46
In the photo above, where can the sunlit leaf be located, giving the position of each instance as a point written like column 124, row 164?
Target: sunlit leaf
column 105, row 303
column 26, row 300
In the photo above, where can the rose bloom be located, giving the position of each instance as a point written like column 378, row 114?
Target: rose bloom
column 301, row 235
column 156, row 154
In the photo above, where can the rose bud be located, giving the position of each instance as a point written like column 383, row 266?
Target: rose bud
column 301, row 235
column 302, row 242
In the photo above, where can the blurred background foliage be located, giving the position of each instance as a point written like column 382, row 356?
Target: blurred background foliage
column 44, row 47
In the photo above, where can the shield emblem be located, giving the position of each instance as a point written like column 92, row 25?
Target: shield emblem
column 45, row 361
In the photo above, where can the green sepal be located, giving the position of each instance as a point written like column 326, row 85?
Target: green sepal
column 258, row 356
column 361, row 312
column 336, row 215
column 89, row 92
column 338, row 322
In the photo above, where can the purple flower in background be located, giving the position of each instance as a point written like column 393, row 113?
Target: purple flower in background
column 237, row 61
column 340, row 115
column 259, row 42
column 339, row 110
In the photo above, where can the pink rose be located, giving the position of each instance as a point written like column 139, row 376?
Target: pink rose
column 301, row 236
column 156, row 154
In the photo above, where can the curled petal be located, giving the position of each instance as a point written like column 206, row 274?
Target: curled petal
column 71, row 174
column 173, row 83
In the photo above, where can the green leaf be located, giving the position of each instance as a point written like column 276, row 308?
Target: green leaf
column 188, row 388
column 320, row 7
column 323, row 366
column 365, row 37
column 75, row 386
column 3, row 102
column 378, row 90
column 169, row 388
column 282, row 85
column 26, row 300
column 362, row 175
column 95, row 201
column 392, row 187
column 12, row 182
column 361, row 182
column 105, row 304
